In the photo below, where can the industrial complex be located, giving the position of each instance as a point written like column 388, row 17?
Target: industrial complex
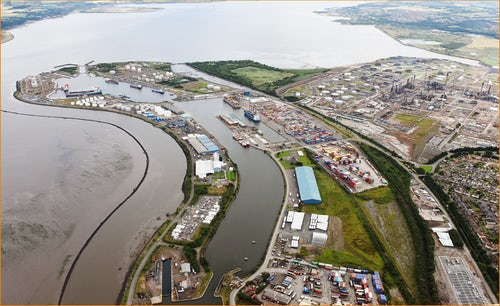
column 416, row 108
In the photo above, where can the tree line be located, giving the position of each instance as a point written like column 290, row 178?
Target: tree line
column 399, row 182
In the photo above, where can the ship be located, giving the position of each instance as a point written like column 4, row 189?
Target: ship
column 161, row 92
column 136, row 86
column 111, row 81
column 252, row 115
column 231, row 100
column 74, row 94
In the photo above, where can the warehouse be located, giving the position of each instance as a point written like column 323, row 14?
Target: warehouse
column 298, row 219
column 308, row 188
column 202, row 144
column 206, row 167
column 319, row 239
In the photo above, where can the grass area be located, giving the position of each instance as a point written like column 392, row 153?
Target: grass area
column 259, row 76
column 253, row 74
column 381, row 195
column 482, row 48
column 202, row 287
column 212, row 190
column 282, row 156
column 426, row 168
column 424, row 130
column 407, row 120
column 482, row 42
column 358, row 248
column 71, row 70
column 424, row 127
column 386, row 217
column 230, row 175
column 167, row 67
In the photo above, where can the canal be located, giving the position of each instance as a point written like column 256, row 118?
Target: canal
column 253, row 214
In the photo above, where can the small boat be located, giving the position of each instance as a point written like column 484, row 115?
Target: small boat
column 244, row 143
column 112, row 81
column 136, row 86
column 124, row 97
column 161, row 92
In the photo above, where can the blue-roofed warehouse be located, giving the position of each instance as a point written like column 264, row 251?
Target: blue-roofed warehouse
column 207, row 143
column 308, row 188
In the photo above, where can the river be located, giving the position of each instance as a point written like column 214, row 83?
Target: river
column 62, row 177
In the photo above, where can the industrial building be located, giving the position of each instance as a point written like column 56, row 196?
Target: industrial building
column 296, row 218
column 211, row 166
column 319, row 239
column 308, row 188
column 278, row 297
column 202, row 144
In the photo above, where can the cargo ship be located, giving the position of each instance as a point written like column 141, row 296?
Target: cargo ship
column 161, row 92
column 252, row 115
column 112, row 81
column 74, row 94
column 231, row 100
column 136, row 86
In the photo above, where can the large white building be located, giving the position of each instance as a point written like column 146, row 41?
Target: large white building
column 211, row 166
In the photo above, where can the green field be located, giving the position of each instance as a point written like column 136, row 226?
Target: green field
column 427, row 168
column 260, row 76
column 282, row 156
column 358, row 249
column 424, row 130
column 387, row 218
column 253, row 74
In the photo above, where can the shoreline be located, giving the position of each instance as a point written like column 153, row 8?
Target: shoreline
column 126, row 289
column 89, row 239
column 7, row 36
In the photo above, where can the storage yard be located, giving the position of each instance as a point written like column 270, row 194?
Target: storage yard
column 346, row 164
column 203, row 212
column 295, row 281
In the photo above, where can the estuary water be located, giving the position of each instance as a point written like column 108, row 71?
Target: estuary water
column 61, row 177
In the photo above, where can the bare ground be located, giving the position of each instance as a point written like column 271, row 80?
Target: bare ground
column 336, row 235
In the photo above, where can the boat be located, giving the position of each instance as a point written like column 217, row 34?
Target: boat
column 161, row 92
column 112, row 81
column 136, row 86
column 252, row 115
column 231, row 100
column 244, row 143
column 124, row 97
column 73, row 94
column 237, row 137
